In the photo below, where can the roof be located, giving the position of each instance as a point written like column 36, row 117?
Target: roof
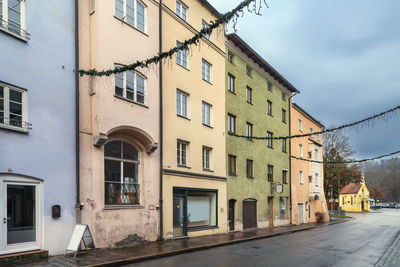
column 351, row 189
column 245, row 48
column 308, row 115
column 210, row 7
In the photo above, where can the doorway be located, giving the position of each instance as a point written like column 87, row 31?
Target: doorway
column 178, row 214
column 231, row 215
column 362, row 205
column 301, row 212
column 249, row 213
column 271, row 211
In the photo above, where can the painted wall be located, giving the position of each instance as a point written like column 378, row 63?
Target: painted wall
column 305, row 193
column 105, row 41
column 191, row 129
column 352, row 202
column 44, row 66
column 240, row 187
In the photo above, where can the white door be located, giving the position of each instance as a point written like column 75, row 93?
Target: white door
column 301, row 213
column 20, row 215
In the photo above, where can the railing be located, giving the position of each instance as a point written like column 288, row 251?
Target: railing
column 117, row 193
column 15, row 123
column 16, row 29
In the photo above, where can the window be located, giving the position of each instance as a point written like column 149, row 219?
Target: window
column 269, row 140
column 205, row 70
column 309, row 154
column 284, row 146
column 181, row 103
column 132, row 12
column 12, row 17
column 92, row 6
column 203, row 26
column 269, row 85
column 318, row 137
column 130, row 85
column 283, row 96
column 269, row 107
column 249, row 96
column 311, row 132
column 181, row 56
column 300, row 125
column 201, row 209
column 316, row 179
column 283, row 115
column 301, row 150
column 231, row 123
column 249, row 130
column 231, row 83
column 301, row 177
column 182, row 152
column 248, row 71
column 310, row 179
column 284, row 176
column 121, row 173
column 230, row 57
column 181, row 10
column 13, row 108
column 206, row 157
column 249, row 168
column 270, row 173
column 206, row 113
column 283, row 207
column 232, row 164
column 316, row 154
column 351, row 200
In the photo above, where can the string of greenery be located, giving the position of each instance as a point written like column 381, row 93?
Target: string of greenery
column 348, row 161
column 353, row 124
column 225, row 18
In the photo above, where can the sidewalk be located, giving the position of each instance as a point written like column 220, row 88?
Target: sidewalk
column 117, row 257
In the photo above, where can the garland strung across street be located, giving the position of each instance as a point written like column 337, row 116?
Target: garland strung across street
column 225, row 18
column 348, row 161
column 365, row 121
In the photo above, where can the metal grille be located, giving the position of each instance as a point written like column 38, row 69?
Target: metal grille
column 15, row 123
column 117, row 193
column 14, row 28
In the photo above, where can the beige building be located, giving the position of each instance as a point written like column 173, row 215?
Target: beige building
column 307, row 179
column 119, row 122
column 193, row 167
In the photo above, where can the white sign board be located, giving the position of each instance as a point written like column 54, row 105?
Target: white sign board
column 81, row 233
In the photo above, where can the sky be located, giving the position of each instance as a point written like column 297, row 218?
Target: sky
column 343, row 56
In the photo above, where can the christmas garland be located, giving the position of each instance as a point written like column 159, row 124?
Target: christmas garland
column 364, row 121
column 347, row 161
column 225, row 18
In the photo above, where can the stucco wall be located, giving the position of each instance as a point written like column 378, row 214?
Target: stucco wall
column 352, row 202
column 45, row 67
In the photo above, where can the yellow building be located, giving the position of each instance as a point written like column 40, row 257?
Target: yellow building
column 355, row 197
column 193, row 86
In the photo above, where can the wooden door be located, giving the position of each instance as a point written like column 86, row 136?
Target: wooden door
column 249, row 213
column 231, row 214
column 271, row 211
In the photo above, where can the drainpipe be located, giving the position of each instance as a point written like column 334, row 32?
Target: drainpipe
column 290, row 155
column 161, row 124
column 77, row 158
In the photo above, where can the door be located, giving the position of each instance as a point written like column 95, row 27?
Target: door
column 178, row 216
column 249, row 213
column 231, row 214
column 271, row 211
column 20, row 217
column 301, row 212
column 362, row 205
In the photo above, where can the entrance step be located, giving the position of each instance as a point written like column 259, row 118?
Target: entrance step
column 23, row 256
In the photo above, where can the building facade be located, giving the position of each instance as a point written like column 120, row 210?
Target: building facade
column 308, row 196
column 257, row 104
column 354, row 197
column 37, row 125
column 193, row 167
column 119, row 122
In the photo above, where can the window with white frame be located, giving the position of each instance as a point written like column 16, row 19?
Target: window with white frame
column 130, row 85
column 121, row 173
column 13, row 107
column 181, row 103
column 231, row 83
column 300, row 125
column 181, row 56
column 182, row 147
column 270, row 141
column 206, row 158
column 311, row 132
column 203, row 26
column 206, row 70
column 318, row 137
column 316, row 154
column 269, row 107
column 284, row 146
column 12, row 17
column 249, row 95
column 181, row 10
column 301, row 150
column 133, row 12
column 301, row 177
column 249, row 130
column 231, row 123
column 206, row 113
column 230, row 57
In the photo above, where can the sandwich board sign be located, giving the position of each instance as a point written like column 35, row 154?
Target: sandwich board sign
column 81, row 234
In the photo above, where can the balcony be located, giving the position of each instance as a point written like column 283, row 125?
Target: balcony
column 314, row 191
column 117, row 193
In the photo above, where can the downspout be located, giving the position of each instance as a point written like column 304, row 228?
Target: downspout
column 77, row 158
column 161, row 123
column 290, row 154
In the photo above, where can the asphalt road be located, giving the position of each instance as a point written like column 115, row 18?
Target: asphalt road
column 367, row 240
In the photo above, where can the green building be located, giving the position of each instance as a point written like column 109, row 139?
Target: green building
column 257, row 104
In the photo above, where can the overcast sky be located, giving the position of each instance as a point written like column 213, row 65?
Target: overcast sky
column 343, row 56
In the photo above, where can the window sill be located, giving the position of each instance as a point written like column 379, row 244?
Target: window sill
column 232, row 92
column 201, row 228
column 19, row 37
column 183, row 166
column 249, row 103
column 133, row 27
column 270, row 147
column 207, row 170
column 183, row 67
column 209, row 126
column 14, row 128
column 270, row 115
column 207, row 81
column 250, row 177
column 131, row 101
column 250, row 139
column 183, row 117
column 121, row 207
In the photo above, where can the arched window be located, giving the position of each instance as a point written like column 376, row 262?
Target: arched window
column 121, row 173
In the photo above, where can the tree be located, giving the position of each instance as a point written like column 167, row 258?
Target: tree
column 376, row 193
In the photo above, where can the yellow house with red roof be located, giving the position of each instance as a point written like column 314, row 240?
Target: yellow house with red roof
column 354, row 197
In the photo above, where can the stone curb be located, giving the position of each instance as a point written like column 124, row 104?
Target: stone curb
column 203, row 247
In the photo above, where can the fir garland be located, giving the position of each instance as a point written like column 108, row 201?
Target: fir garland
column 225, row 18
